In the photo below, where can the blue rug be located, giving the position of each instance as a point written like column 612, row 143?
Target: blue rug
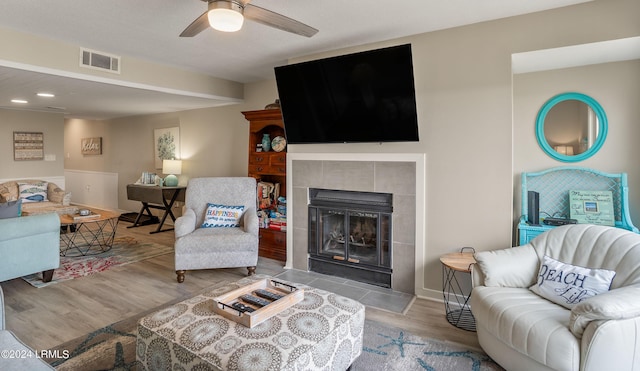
column 391, row 348
column 384, row 348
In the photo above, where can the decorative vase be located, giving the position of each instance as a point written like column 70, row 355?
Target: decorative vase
column 266, row 143
column 274, row 105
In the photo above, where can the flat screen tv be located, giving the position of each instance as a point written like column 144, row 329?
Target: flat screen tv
column 361, row 97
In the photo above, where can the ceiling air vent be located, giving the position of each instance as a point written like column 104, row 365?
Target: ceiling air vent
column 99, row 61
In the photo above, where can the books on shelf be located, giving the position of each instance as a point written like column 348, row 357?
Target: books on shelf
column 267, row 194
column 278, row 224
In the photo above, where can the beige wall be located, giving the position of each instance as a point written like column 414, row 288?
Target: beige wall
column 615, row 86
column 75, row 130
column 50, row 124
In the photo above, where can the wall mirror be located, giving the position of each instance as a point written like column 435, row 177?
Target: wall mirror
column 571, row 127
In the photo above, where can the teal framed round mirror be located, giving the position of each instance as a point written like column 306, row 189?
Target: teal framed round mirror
column 571, row 127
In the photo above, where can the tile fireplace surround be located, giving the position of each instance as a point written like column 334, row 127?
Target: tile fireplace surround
column 399, row 174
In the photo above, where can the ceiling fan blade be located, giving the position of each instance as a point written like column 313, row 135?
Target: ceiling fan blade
column 272, row 19
column 200, row 24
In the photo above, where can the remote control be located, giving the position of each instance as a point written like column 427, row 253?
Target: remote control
column 268, row 295
column 255, row 300
column 242, row 308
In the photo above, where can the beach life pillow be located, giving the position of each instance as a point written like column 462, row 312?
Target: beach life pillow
column 11, row 209
column 33, row 192
column 567, row 284
column 217, row 216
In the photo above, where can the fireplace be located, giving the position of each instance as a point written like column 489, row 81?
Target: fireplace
column 350, row 235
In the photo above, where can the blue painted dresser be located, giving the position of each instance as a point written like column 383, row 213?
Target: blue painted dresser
column 554, row 185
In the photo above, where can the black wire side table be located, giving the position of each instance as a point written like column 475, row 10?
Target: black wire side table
column 456, row 301
column 88, row 235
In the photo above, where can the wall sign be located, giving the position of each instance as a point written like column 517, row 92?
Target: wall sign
column 28, row 145
column 592, row 207
column 91, row 146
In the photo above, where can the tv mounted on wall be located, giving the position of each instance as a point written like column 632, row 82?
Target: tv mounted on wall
column 361, row 97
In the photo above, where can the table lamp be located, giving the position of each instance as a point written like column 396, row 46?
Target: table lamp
column 173, row 168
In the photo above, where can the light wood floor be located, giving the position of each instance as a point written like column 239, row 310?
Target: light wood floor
column 46, row 317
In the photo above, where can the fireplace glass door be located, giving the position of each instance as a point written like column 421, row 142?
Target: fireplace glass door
column 350, row 235
column 363, row 227
column 359, row 237
column 332, row 234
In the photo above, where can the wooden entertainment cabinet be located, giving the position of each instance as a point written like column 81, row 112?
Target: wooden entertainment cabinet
column 270, row 167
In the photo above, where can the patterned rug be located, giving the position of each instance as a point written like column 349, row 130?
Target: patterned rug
column 391, row 348
column 385, row 348
column 125, row 250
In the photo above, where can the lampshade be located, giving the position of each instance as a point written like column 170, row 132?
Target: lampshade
column 172, row 168
column 225, row 16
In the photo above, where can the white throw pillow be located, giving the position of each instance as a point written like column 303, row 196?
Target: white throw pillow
column 567, row 284
column 510, row 267
column 33, row 192
column 222, row 216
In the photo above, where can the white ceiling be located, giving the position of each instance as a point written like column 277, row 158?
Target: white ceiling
column 149, row 29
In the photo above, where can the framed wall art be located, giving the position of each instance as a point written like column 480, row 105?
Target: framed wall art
column 28, row 145
column 166, row 145
column 91, row 146
column 592, row 207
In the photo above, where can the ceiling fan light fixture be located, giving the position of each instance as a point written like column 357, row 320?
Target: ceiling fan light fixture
column 225, row 16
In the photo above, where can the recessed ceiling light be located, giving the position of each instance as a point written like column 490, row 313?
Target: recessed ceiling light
column 46, row 95
column 21, row 101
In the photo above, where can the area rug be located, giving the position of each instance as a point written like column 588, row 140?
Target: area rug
column 110, row 348
column 385, row 348
column 125, row 250
column 391, row 348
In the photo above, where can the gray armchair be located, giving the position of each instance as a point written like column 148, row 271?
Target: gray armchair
column 217, row 247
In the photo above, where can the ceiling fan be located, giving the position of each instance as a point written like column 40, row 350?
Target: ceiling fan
column 228, row 15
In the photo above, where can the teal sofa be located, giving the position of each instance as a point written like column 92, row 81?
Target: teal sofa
column 29, row 244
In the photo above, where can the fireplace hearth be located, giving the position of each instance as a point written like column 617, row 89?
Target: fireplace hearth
column 350, row 235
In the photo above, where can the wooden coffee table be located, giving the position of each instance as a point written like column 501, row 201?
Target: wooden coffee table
column 88, row 235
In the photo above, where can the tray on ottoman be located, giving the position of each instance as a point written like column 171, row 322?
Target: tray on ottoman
column 290, row 295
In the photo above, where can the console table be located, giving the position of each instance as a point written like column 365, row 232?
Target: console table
column 155, row 197
column 554, row 185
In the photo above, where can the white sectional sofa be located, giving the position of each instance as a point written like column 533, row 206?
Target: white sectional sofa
column 521, row 330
